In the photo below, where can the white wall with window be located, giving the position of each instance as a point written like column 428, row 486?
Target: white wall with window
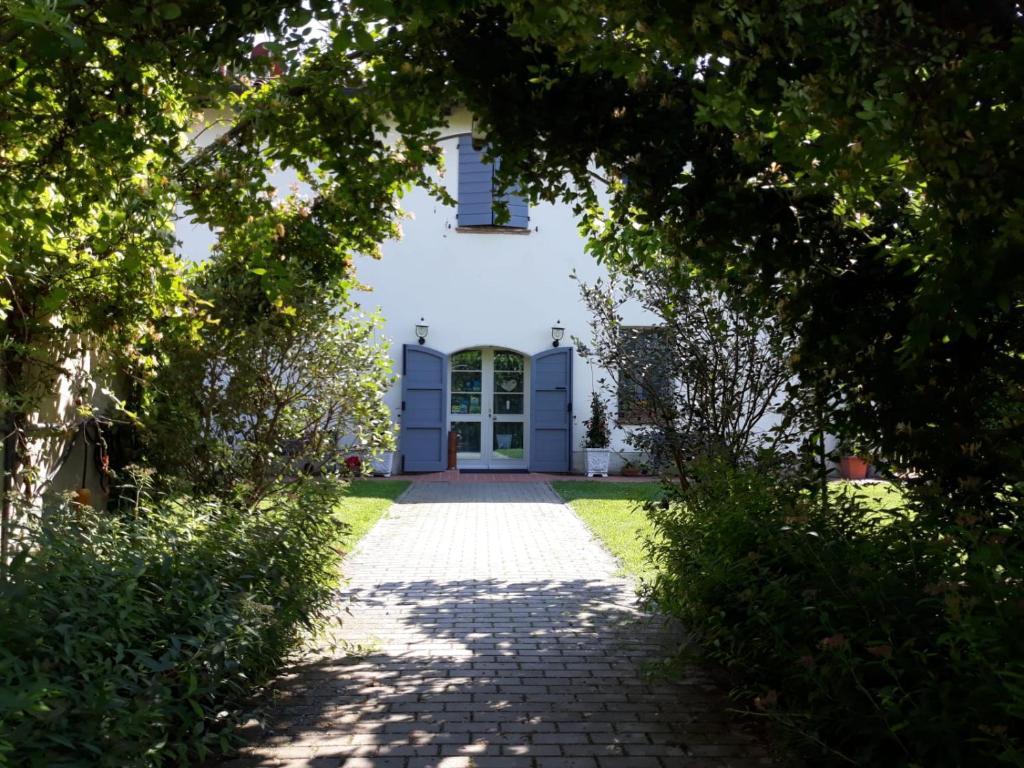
column 491, row 291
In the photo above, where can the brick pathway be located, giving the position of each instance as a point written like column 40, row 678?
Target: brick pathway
column 494, row 635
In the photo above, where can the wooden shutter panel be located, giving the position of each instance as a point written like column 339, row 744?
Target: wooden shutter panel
column 476, row 192
column 423, row 438
column 518, row 210
column 551, row 410
column 476, row 181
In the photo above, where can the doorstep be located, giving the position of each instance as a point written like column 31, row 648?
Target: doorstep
column 455, row 476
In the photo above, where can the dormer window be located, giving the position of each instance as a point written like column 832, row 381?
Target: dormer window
column 477, row 196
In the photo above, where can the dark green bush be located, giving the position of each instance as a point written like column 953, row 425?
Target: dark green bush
column 135, row 640
column 876, row 638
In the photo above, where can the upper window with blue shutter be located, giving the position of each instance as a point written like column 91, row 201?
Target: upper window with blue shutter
column 477, row 196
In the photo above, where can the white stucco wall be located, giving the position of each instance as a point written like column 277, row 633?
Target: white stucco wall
column 473, row 289
column 497, row 289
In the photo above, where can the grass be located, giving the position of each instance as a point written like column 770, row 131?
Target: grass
column 612, row 512
column 363, row 504
column 882, row 498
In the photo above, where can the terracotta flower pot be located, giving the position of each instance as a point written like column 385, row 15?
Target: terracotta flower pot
column 853, row 467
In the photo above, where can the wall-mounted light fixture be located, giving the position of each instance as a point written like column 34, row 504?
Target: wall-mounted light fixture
column 478, row 133
column 421, row 331
column 557, row 332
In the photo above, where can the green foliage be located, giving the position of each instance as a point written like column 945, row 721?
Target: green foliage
column 98, row 102
column 95, row 100
column 271, row 388
column 878, row 639
column 708, row 378
column 855, row 169
column 123, row 640
column 135, row 639
column 598, row 434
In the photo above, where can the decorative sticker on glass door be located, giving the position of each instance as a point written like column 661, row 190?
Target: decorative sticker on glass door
column 508, row 383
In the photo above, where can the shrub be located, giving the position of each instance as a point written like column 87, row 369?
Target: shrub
column 872, row 636
column 286, row 376
column 710, row 377
column 598, row 434
column 135, row 640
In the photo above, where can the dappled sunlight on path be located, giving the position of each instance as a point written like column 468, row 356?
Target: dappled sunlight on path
column 493, row 633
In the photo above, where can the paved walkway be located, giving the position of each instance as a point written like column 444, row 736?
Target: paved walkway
column 491, row 633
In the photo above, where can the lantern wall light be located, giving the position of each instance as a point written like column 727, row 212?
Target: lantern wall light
column 557, row 332
column 421, row 331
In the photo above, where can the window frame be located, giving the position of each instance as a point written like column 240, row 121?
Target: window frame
column 639, row 412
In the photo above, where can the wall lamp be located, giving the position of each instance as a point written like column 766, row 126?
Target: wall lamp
column 421, row 331
column 557, row 332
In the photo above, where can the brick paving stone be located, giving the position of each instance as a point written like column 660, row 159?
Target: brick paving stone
column 482, row 625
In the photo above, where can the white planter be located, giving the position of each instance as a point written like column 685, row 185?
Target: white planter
column 381, row 464
column 597, row 462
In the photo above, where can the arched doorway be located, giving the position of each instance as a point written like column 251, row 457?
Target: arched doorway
column 489, row 408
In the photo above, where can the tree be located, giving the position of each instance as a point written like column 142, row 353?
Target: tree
column 708, row 380
column 274, row 384
column 855, row 169
column 97, row 101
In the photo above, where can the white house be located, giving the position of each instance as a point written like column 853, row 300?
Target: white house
column 481, row 319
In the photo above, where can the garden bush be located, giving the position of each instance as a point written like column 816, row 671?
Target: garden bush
column 136, row 639
column 876, row 638
column 264, row 394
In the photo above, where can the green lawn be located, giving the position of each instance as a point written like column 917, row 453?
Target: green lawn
column 611, row 511
column 364, row 503
column 882, row 497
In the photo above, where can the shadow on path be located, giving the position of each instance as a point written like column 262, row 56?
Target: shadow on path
column 500, row 674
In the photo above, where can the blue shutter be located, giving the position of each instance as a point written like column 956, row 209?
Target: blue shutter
column 476, row 180
column 518, row 210
column 476, row 191
column 551, row 410
column 423, row 437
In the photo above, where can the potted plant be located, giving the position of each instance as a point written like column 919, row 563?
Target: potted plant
column 598, row 438
column 852, row 464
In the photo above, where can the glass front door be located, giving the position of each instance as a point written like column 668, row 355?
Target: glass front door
column 488, row 408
